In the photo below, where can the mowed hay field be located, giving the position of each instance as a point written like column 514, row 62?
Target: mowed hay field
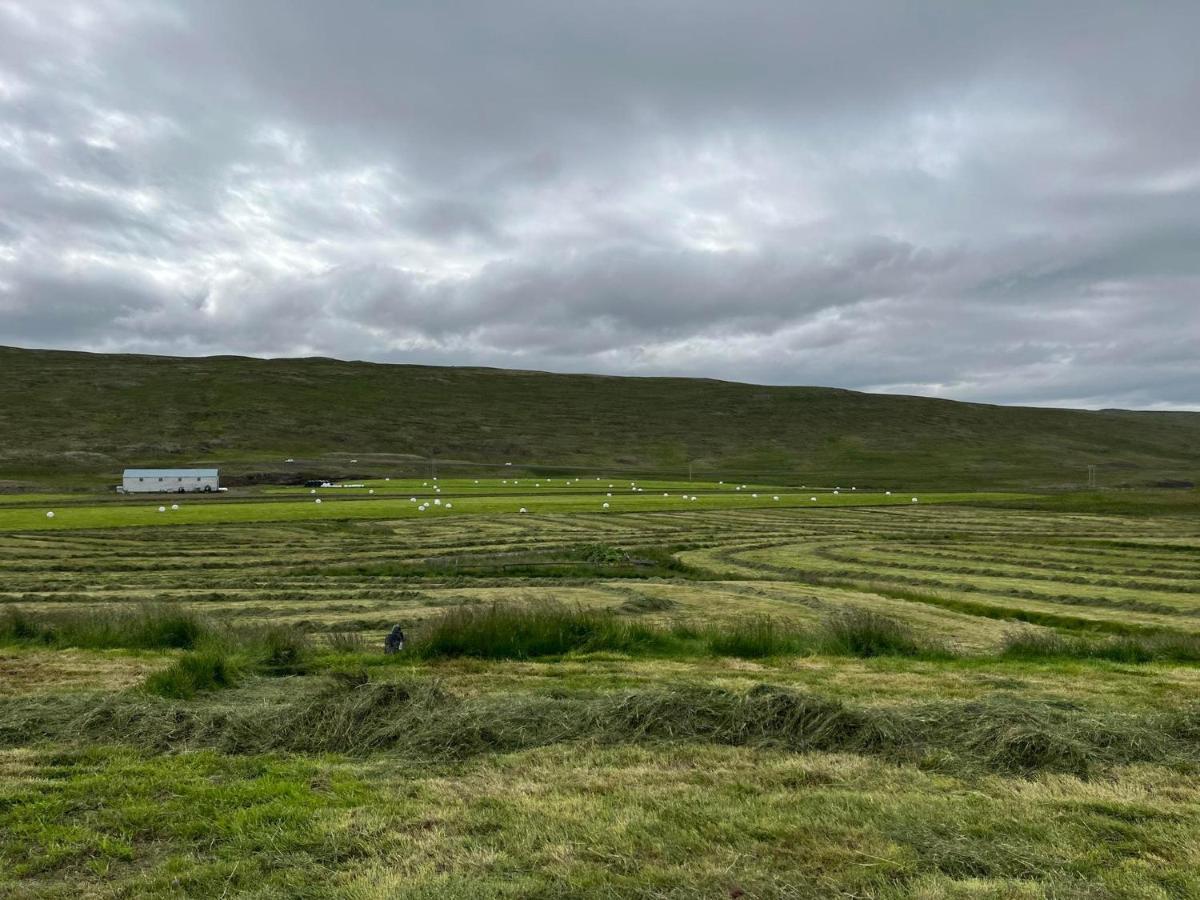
column 988, row 697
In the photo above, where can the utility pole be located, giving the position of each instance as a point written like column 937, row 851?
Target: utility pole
column 689, row 471
column 1091, row 476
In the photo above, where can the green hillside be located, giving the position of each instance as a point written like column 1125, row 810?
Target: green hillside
column 67, row 414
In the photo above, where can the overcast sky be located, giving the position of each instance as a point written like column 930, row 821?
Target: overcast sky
column 982, row 201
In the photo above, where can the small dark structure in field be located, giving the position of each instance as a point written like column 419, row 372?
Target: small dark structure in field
column 394, row 642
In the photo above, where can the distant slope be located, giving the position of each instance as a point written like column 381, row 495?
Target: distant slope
column 80, row 412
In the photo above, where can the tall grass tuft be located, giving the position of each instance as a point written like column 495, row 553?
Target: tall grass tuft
column 280, row 650
column 1176, row 647
column 1028, row 643
column 503, row 631
column 757, row 638
column 861, row 632
column 16, row 626
column 346, row 642
column 603, row 554
column 191, row 674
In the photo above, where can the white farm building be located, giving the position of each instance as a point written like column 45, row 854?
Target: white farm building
column 175, row 481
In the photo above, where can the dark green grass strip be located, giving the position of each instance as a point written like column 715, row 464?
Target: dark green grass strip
column 1165, row 647
column 509, row 631
column 150, row 627
column 544, row 630
column 495, row 631
column 584, row 561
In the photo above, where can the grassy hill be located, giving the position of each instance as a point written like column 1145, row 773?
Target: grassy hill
column 66, row 415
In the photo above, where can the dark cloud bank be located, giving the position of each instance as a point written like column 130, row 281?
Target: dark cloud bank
column 993, row 202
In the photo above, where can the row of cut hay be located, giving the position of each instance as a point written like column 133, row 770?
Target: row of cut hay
column 355, row 715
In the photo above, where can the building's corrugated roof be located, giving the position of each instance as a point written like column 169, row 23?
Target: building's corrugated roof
column 171, row 473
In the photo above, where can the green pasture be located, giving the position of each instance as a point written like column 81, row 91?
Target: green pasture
column 974, row 696
column 525, row 483
column 200, row 510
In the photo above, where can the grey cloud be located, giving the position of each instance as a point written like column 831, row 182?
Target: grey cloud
column 69, row 309
column 971, row 200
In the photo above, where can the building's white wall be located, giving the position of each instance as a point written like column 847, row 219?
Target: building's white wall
column 171, row 483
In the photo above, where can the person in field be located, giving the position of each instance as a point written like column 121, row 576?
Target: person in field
column 394, row 642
